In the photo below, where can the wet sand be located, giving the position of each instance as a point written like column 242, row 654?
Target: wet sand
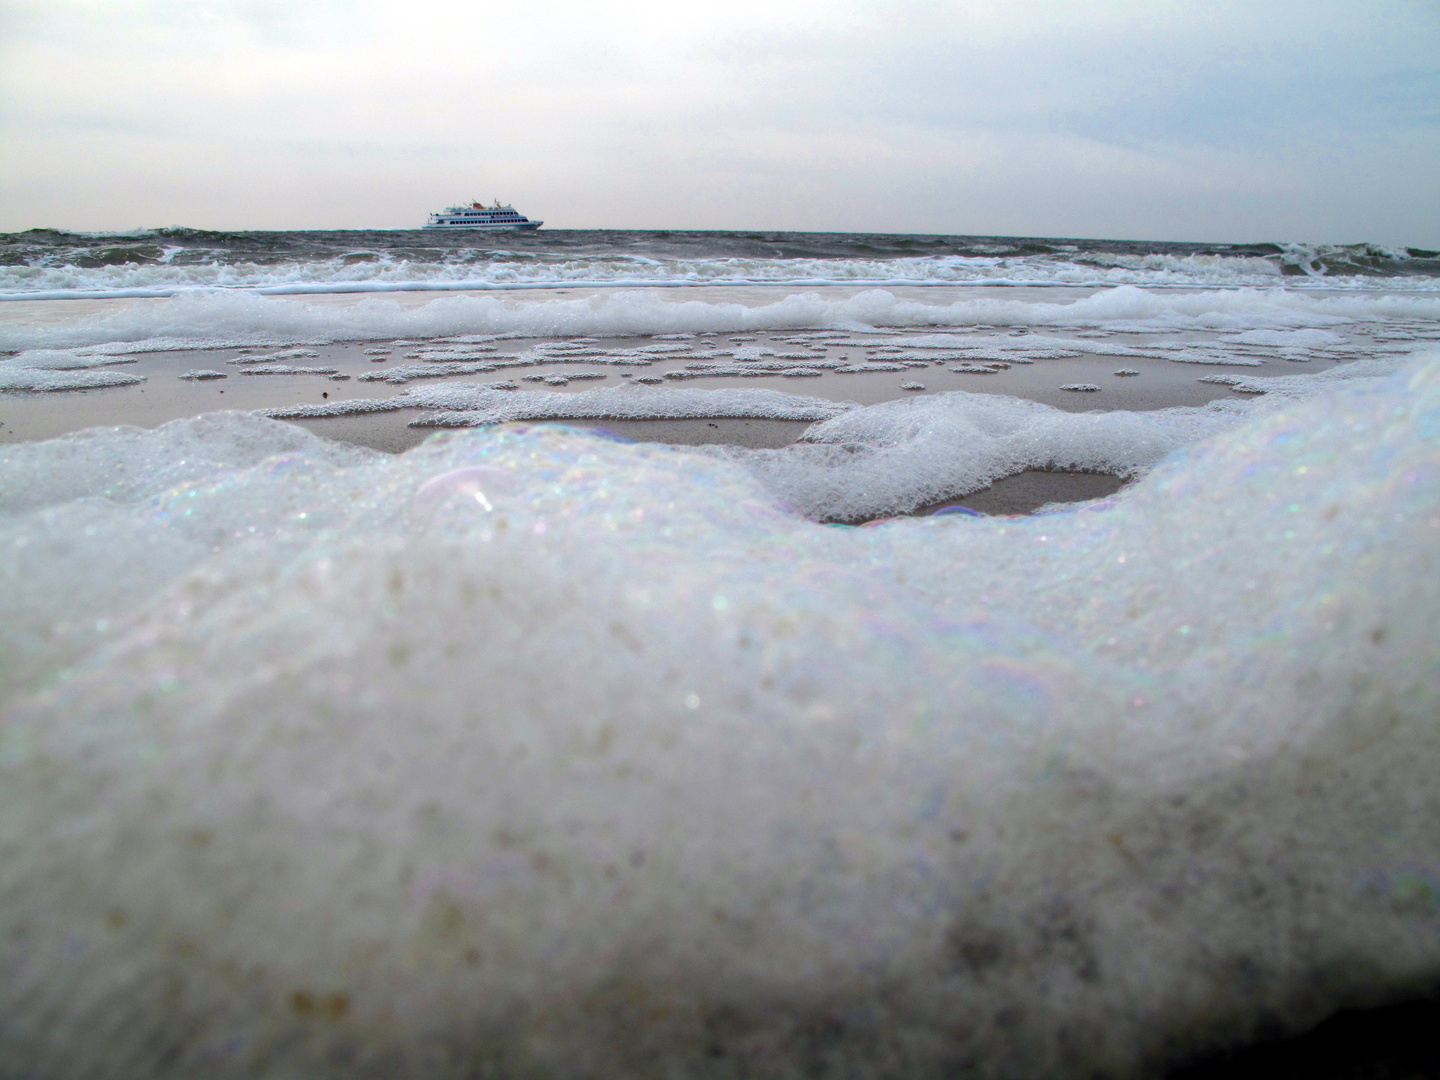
column 1026, row 492
column 357, row 370
column 163, row 396
column 390, row 431
column 1161, row 383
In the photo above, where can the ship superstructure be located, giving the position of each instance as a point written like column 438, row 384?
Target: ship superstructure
column 479, row 216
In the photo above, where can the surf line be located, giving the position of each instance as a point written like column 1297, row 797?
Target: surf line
column 317, row 289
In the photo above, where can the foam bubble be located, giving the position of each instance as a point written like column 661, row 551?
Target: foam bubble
column 313, row 760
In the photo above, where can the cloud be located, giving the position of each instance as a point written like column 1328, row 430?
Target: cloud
column 1159, row 119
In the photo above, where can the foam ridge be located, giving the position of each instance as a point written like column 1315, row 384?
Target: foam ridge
column 217, row 319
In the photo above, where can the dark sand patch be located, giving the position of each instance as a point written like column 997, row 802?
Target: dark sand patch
column 1022, row 493
column 387, row 431
column 1028, row 491
column 754, row 434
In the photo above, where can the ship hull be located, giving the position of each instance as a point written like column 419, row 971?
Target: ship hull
column 522, row 226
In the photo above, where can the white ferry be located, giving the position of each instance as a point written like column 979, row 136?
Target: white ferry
column 479, row 216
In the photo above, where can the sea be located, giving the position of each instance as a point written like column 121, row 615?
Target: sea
column 50, row 264
column 712, row 654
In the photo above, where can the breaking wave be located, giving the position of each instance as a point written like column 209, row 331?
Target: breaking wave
column 44, row 264
column 214, row 319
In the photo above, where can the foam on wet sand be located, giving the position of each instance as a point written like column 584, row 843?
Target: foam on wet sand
column 529, row 751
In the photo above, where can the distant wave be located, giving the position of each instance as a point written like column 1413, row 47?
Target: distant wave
column 51, row 265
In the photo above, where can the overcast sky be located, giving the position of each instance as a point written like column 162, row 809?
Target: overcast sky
column 1306, row 120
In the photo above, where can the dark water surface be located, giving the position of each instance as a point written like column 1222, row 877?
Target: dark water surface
column 181, row 246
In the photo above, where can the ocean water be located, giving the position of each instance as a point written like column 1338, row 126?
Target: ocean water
column 160, row 262
column 536, row 751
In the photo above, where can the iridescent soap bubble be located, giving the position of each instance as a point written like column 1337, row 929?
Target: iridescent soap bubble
column 480, row 488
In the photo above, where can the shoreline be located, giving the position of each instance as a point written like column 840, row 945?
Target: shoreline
column 360, row 375
column 631, row 284
column 391, row 394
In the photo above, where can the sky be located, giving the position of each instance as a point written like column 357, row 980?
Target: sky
column 1155, row 119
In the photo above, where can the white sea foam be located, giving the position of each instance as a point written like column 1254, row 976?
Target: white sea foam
column 532, row 753
column 1303, row 386
column 1309, row 339
column 896, row 456
column 430, row 370
column 60, row 369
column 762, row 368
column 471, row 405
column 1212, row 357
column 287, row 369
column 274, row 357
column 220, row 319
